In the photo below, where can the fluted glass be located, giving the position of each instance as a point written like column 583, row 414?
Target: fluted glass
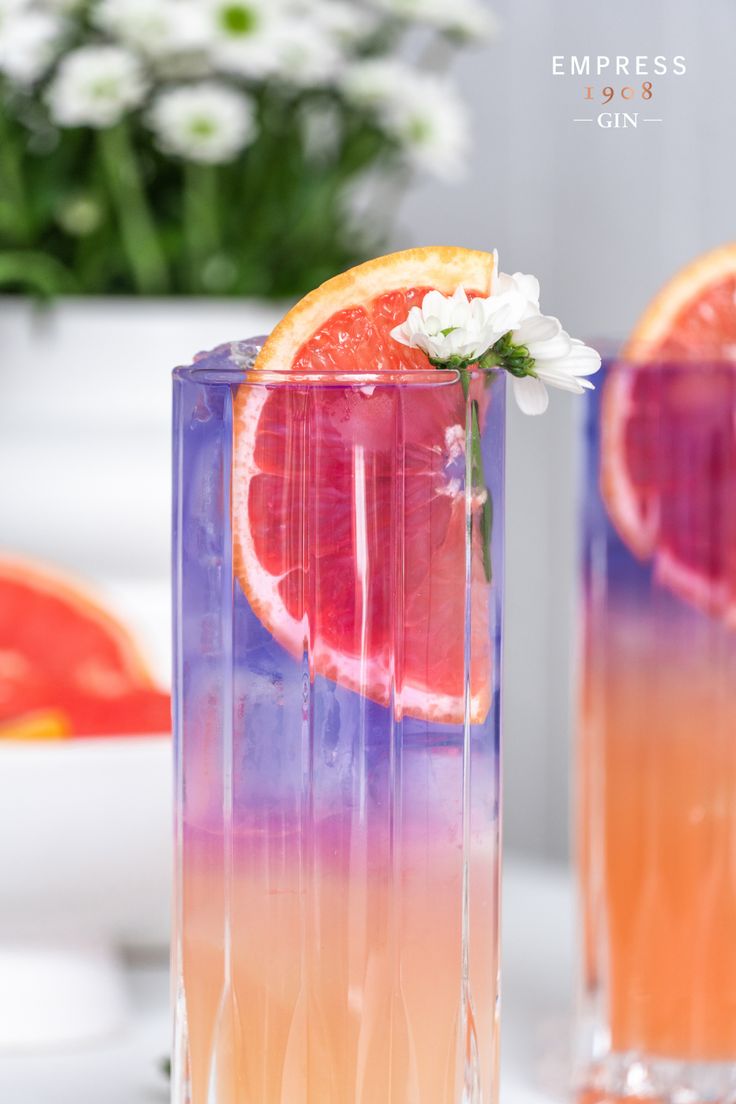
column 656, row 791
column 338, row 568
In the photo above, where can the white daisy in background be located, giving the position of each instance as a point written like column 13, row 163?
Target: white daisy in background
column 304, row 53
column 30, row 39
column 367, row 84
column 505, row 330
column 470, row 19
column 241, row 33
column 423, row 113
column 346, row 23
column 207, row 122
column 158, row 29
column 95, row 86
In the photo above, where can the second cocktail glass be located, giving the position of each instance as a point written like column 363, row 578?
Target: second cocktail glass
column 657, row 754
column 338, row 555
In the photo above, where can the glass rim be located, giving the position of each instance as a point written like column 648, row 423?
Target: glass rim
column 234, row 363
column 230, row 375
column 668, row 365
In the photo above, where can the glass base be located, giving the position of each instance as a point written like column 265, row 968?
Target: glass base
column 636, row 1076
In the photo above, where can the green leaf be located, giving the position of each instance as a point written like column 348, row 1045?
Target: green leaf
column 38, row 273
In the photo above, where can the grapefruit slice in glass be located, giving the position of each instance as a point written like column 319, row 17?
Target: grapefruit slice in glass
column 67, row 666
column 669, row 438
column 349, row 521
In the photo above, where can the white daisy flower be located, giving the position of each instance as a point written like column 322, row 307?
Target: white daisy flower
column 423, row 113
column 470, row 19
column 428, row 118
column 346, row 23
column 454, row 328
column 304, row 54
column 450, row 326
column 207, row 122
column 241, row 35
column 559, row 361
column 367, row 84
column 157, row 29
column 29, row 41
column 95, row 86
column 514, row 298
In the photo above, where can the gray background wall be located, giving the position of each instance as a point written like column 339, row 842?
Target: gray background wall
column 603, row 217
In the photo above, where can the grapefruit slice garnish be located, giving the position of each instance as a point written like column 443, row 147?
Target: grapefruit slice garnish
column 349, row 514
column 67, row 665
column 668, row 444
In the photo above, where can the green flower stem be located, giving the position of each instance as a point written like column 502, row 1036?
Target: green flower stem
column 479, row 482
column 137, row 227
column 478, row 476
column 14, row 214
column 201, row 222
column 516, row 360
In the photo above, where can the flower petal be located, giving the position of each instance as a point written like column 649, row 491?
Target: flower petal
column 559, row 377
column 402, row 334
column 554, row 348
column 435, row 304
column 584, row 360
column 539, row 328
column 528, row 286
column 531, row 395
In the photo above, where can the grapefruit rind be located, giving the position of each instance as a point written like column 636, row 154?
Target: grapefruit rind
column 686, row 287
column 440, row 267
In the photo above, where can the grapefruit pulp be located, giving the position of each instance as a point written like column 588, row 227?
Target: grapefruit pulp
column 349, row 510
column 669, row 437
column 67, row 667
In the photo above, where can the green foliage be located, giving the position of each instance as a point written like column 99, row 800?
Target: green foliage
column 104, row 212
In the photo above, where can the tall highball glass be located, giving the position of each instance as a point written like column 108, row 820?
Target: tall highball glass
column 338, row 567
column 657, row 743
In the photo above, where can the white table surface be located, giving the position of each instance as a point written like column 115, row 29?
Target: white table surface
column 537, row 985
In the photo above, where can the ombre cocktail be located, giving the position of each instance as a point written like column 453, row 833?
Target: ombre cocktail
column 338, row 659
column 657, row 755
column 338, row 551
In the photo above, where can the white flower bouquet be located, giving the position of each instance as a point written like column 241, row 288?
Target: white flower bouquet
column 213, row 146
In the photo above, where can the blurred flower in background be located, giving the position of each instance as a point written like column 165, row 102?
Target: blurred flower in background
column 206, row 122
column 123, row 122
column 95, row 86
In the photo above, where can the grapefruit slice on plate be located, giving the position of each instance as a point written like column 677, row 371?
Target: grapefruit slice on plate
column 668, row 450
column 67, row 666
column 349, row 518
